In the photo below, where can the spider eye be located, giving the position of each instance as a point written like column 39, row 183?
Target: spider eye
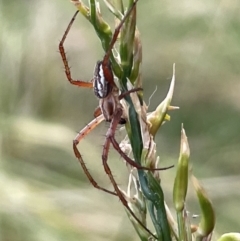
column 103, row 77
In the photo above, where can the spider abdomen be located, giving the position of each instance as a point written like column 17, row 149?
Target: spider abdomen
column 103, row 77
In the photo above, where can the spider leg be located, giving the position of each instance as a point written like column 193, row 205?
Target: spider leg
column 77, row 139
column 116, row 33
column 105, row 61
column 110, row 132
column 97, row 112
column 65, row 61
column 130, row 161
column 122, row 95
column 119, row 150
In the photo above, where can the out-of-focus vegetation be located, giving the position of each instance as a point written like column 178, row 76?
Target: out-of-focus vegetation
column 44, row 194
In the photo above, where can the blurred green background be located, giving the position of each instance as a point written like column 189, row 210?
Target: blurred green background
column 44, row 194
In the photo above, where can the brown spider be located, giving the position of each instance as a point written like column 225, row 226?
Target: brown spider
column 110, row 110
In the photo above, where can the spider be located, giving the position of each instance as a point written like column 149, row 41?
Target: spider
column 110, row 110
